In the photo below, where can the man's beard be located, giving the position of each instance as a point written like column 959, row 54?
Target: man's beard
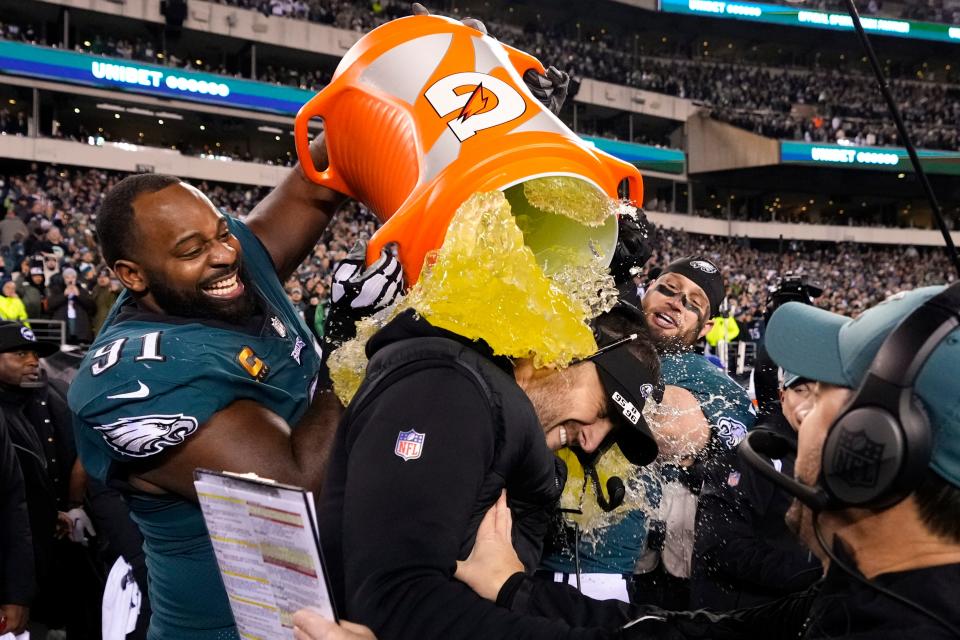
column 198, row 305
column 546, row 396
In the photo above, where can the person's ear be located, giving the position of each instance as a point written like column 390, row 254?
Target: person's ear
column 131, row 275
column 523, row 371
column 706, row 328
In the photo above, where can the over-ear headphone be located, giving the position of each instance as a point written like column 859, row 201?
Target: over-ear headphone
column 878, row 448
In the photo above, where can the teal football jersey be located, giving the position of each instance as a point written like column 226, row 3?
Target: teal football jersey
column 148, row 384
column 725, row 404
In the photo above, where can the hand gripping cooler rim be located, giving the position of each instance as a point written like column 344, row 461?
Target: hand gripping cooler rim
column 460, row 174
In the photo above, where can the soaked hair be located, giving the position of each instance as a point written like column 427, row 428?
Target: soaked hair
column 939, row 505
column 116, row 227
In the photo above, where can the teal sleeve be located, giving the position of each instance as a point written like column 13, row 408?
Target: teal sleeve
column 724, row 403
column 137, row 413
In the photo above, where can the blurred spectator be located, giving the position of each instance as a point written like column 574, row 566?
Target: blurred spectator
column 12, row 228
column 104, row 294
column 295, row 293
column 70, row 303
column 32, row 289
column 14, row 123
column 11, row 306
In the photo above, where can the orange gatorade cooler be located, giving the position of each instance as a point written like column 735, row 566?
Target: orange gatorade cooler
column 423, row 112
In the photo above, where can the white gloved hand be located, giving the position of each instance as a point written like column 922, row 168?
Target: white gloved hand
column 358, row 291
column 82, row 526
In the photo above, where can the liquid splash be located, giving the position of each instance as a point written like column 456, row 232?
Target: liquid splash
column 570, row 197
column 486, row 283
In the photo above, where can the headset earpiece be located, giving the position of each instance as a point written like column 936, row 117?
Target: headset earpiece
column 867, row 459
column 878, row 449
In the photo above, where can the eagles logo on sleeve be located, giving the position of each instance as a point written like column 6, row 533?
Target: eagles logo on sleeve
column 143, row 436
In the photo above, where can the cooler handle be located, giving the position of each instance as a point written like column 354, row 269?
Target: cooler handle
column 328, row 177
column 628, row 172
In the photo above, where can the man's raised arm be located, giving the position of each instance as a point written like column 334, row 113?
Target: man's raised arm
column 291, row 219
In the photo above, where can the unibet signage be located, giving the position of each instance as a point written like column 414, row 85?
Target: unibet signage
column 852, row 156
column 153, row 78
column 867, row 158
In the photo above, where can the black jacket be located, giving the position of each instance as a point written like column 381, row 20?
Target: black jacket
column 40, row 427
column 838, row 606
column 847, row 608
column 744, row 554
column 392, row 529
column 17, row 579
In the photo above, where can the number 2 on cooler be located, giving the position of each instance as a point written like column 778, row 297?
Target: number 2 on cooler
column 491, row 102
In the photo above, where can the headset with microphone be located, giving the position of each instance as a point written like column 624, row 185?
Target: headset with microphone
column 878, row 448
column 616, row 490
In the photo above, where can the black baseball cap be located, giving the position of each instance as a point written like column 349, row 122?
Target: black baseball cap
column 704, row 274
column 628, row 383
column 15, row 337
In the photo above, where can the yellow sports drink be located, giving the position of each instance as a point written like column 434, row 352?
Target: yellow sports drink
column 424, row 112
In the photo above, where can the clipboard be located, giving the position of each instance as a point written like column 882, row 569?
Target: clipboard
column 266, row 541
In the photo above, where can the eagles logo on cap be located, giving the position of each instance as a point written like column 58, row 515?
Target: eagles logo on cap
column 703, row 265
column 17, row 337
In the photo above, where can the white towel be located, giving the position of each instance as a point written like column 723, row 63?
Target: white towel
column 121, row 602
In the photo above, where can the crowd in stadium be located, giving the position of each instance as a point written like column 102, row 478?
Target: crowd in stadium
column 48, row 224
column 49, row 214
column 854, row 277
column 816, row 105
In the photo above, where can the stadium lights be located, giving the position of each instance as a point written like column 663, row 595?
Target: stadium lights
column 76, row 110
column 106, row 106
column 264, row 128
column 168, row 115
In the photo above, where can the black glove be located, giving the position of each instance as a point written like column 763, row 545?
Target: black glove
column 550, row 89
column 358, row 290
column 634, row 246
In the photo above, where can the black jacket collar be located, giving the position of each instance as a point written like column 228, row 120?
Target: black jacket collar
column 409, row 324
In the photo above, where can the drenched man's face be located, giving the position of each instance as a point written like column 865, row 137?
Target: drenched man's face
column 19, row 368
column 193, row 265
column 571, row 406
column 825, row 402
column 676, row 310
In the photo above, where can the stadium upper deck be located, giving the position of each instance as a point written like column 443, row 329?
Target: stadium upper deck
column 811, row 90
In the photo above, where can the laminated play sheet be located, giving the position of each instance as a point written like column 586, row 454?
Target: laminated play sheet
column 264, row 535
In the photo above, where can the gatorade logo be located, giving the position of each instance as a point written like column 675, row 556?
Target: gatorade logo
column 480, row 101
